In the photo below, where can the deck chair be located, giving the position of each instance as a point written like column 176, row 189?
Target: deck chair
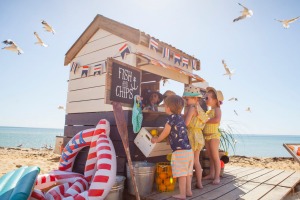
column 294, row 150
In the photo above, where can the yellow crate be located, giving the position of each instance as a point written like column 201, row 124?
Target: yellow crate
column 164, row 179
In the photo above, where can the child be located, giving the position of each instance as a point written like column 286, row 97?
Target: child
column 182, row 156
column 211, row 133
column 195, row 119
column 161, row 107
column 151, row 100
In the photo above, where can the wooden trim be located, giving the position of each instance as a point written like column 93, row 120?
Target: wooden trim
column 114, row 27
column 150, row 119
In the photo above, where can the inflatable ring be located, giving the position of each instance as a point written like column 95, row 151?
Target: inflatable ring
column 100, row 167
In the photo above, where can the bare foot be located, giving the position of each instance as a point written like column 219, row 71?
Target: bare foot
column 216, row 181
column 189, row 194
column 179, row 196
column 199, row 186
column 208, row 177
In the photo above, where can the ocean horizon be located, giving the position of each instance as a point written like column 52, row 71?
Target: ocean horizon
column 250, row 145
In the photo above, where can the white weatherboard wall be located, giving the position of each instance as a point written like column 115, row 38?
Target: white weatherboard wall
column 87, row 94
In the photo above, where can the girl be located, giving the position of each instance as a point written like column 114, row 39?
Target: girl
column 195, row 119
column 211, row 133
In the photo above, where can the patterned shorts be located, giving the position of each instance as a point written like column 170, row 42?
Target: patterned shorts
column 182, row 163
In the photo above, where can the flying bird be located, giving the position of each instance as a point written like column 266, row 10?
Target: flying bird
column 47, row 27
column 235, row 112
column 286, row 22
column 229, row 72
column 233, row 98
column 20, row 145
column 248, row 109
column 39, row 40
column 61, row 108
column 245, row 13
column 13, row 46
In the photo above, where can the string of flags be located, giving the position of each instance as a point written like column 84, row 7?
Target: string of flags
column 97, row 69
column 124, row 50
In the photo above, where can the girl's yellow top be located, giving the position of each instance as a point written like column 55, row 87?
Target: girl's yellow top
column 211, row 131
column 195, row 128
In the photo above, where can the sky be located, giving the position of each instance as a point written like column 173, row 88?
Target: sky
column 264, row 55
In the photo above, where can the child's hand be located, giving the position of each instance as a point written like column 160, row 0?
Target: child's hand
column 154, row 139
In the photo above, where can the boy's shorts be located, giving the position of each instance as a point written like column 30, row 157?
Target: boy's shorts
column 182, row 163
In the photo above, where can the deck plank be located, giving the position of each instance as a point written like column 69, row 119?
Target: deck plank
column 241, row 183
column 281, row 177
column 231, row 168
column 255, row 175
column 257, row 192
column 291, row 181
column 267, row 176
column 239, row 191
column 276, row 193
column 219, row 192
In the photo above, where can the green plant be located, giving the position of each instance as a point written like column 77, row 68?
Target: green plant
column 227, row 139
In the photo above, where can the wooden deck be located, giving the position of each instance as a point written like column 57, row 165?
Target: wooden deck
column 242, row 183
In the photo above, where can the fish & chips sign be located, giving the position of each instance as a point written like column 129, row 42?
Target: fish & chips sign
column 124, row 82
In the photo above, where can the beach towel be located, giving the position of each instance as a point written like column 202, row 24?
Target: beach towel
column 137, row 115
column 18, row 184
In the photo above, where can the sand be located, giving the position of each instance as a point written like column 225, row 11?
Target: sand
column 13, row 158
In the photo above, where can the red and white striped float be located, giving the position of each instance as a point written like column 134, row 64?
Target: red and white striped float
column 100, row 170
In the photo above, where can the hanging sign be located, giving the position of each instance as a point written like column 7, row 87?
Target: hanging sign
column 123, row 82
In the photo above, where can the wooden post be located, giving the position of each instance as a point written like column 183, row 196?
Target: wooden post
column 122, row 129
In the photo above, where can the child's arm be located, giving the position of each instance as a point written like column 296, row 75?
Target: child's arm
column 217, row 117
column 189, row 115
column 163, row 134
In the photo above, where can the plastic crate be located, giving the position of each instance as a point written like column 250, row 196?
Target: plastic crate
column 163, row 179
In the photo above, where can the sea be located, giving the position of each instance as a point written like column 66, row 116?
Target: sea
column 250, row 145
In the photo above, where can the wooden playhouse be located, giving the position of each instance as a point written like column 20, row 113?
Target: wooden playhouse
column 107, row 45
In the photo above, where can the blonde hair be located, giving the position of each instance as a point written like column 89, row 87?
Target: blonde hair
column 214, row 96
column 175, row 103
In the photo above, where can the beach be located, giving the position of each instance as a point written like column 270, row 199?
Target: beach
column 13, row 158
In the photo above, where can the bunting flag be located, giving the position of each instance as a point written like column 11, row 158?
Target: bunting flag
column 194, row 64
column 166, row 53
column 185, row 62
column 74, row 67
column 98, row 69
column 124, row 50
column 153, row 44
column 85, row 70
column 177, row 58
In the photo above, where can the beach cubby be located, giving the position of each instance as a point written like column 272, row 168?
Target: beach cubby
column 113, row 62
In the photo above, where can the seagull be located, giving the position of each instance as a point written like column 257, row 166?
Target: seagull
column 40, row 41
column 233, row 98
column 285, row 23
column 235, row 112
column 20, row 145
column 47, row 27
column 13, row 46
column 248, row 109
column 61, row 108
column 245, row 13
column 229, row 72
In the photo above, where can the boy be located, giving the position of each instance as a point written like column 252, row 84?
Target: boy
column 182, row 157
